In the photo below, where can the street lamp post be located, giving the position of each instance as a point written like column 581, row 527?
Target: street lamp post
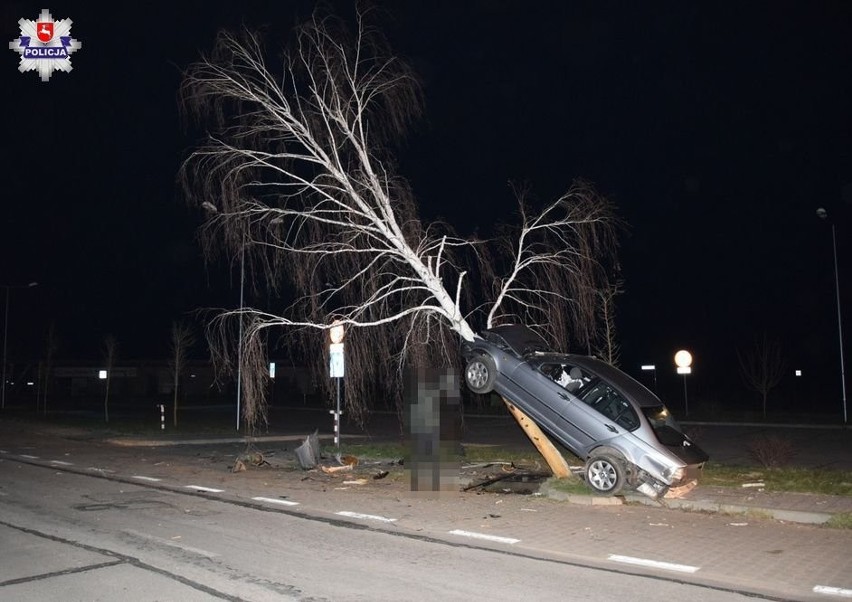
column 823, row 214
column 8, row 288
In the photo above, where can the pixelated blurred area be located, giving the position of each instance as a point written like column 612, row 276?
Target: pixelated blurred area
column 433, row 423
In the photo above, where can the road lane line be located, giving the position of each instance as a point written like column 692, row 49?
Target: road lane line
column 833, row 591
column 473, row 534
column 61, row 463
column 205, row 489
column 3, row 451
column 273, row 500
column 144, row 478
column 96, row 469
column 29, row 457
column 656, row 564
column 383, row 519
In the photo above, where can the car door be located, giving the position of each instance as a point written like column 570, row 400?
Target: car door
column 551, row 403
column 603, row 413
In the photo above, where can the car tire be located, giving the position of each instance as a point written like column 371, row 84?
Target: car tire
column 480, row 374
column 605, row 474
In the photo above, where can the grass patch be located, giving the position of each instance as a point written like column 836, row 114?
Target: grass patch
column 840, row 521
column 489, row 453
column 798, row 480
column 572, row 486
column 368, row 451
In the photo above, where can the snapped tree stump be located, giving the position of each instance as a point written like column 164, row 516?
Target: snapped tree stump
column 551, row 455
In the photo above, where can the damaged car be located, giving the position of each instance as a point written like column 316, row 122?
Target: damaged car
column 623, row 432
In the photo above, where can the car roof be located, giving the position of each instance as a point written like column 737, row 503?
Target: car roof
column 517, row 338
column 621, row 380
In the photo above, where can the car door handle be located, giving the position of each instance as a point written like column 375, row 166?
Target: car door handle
column 612, row 428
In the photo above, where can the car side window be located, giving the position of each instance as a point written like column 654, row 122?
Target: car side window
column 611, row 404
column 570, row 377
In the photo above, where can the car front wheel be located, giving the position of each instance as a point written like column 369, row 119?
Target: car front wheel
column 605, row 474
column 480, row 374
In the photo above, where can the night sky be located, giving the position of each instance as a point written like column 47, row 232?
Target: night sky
column 717, row 129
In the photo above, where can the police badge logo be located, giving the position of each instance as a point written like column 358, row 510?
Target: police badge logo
column 45, row 45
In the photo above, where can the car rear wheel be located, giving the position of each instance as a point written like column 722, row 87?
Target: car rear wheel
column 480, row 374
column 605, row 474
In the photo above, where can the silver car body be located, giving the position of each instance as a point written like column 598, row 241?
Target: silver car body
column 599, row 408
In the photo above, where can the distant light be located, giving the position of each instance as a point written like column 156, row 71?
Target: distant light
column 191, row 376
column 271, row 369
column 30, row 383
column 102, row 374
column 649, row 367
column 798, row 372
column 683, row 359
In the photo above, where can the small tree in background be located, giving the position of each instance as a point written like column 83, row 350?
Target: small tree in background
column 182, row 340
column 762, row 367
column 608, row 348
column 51, row 344
column 110, row 353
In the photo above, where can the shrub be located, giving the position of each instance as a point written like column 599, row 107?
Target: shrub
column 770, row 450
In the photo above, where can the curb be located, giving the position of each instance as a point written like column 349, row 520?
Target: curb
column 790, row 516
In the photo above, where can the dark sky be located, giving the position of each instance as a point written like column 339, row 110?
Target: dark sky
column 716, row 128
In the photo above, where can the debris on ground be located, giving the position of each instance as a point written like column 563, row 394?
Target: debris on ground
column 308, row 453
column 249, row 458
column 336, row 469
column 381, row 474
column 346, row 460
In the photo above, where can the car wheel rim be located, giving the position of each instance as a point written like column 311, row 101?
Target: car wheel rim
column 602, row 475
column 477, row 374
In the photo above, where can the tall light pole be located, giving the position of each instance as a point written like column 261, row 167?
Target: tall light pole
column 823, row 214
column 8, row 288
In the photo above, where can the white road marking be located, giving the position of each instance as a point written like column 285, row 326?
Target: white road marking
column 383, row 519
column 206, row 489
column 474, row 535
column 61, row 463
column 273, row 500
column 3, row 451
column 144, row 478
column 96, row 469
column 667, row 566
column 28, row 457
column 833, row 591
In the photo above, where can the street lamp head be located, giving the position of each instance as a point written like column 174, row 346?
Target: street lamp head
column 822, row 213
column 32, row 284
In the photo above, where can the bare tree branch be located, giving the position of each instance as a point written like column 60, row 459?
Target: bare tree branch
column 297, row 172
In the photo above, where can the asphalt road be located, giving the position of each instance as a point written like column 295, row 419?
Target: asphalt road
column 68, row 537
